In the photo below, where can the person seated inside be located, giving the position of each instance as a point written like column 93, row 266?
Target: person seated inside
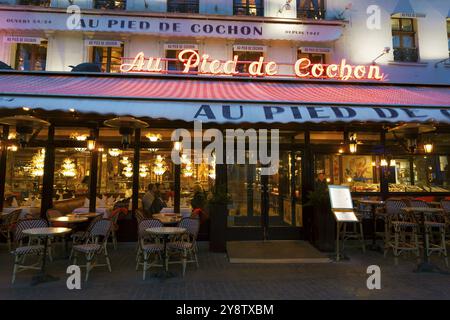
column 147, row 200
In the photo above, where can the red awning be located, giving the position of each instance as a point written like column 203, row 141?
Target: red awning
column 225, row 90
column 223, row 100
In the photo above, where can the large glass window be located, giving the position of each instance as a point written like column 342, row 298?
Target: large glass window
column 110, row 4
column 404, row 40
column 41, row 3
column 183, row 6
column 311, row 9
column 248, row 7
column 109, row 58
column 245, row 58
column 31, row 57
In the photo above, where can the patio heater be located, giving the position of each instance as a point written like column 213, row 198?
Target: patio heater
column 408, row 134
column 26, row 126
column 126, row 126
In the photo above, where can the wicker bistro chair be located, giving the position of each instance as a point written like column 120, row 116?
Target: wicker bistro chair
column 445, row 205
column 32, row 248
column 8, row 225
column 186, row 244
column 402, row 230
column 81, row 236
column 148, row 246
column 95, row 245
column 114, row 215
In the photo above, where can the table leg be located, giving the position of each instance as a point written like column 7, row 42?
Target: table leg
column 42, row 276
column 374, row 246
column 165, row 273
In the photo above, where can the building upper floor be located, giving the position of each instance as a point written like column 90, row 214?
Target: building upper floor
column 408, row 39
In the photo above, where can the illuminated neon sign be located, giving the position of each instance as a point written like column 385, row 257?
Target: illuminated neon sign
column 194, row 63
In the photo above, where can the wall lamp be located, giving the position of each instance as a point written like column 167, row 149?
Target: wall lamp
column 386, row 50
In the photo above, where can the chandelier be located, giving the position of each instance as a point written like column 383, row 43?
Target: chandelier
column 37, row 164
column 114, row 152
column 79, row 137
column 68, row 168
column 128, row 171
column 188, row 172
column 125, row 161
column 159, row 166
column 143, row 170
column 153, row 137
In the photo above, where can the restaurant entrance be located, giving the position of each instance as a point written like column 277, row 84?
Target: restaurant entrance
column 267, row 207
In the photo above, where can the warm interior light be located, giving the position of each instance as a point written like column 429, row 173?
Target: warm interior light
column 114, row 152
column 13, row 148
column 153, row 137
column 353, row 143
column 177, row 145
column 428, row 147
column 392, row 163
column 341, row 150
column 68, row 168
column 383, row 163
column 349, row 179
column 91, row 143
column 128, row 170
column 37, row 164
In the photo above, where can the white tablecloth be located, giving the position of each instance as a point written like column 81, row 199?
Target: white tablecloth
column 103, row 210
column 185, row 211
column 25, row 210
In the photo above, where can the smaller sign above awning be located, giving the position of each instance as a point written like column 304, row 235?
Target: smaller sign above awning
column 102, row 43
column 253, row 48
column 322, row 50
column 403, row 9
column 180, row 46
column 21, row 39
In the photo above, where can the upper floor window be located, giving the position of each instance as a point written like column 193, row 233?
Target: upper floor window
column 311, row 9
column 183, row 6
column 110, row 4
column 41, row 3
column 448, row 36
column 315, row 58
column 404, row 40
column 31, row 57
column 172, row 51
column 109, row 58
column 246, row 56
column 248, row 7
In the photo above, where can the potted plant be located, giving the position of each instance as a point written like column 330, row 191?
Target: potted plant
column 218, row 202
column 323, row 223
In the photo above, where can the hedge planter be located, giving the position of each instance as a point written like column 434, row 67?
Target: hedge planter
column 218, row 226
column 324, row 229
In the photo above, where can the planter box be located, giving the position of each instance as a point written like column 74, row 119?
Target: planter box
column 324, row 229
column 218, row 227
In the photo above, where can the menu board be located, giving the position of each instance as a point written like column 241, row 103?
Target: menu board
column 342, row 204
column 340, row 197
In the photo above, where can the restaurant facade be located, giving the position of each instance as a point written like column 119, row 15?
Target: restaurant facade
column 358, row 95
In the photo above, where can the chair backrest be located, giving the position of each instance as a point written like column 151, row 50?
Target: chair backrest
column 418, row 203
column 12, row 217
column 139, row 215
column 394, row 206
column 53, row 213
column 148, row 223
column 100, row 228
column 28, row 224
column 445, row 204
column 192, row 225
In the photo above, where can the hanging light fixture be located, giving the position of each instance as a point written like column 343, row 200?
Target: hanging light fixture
column 126, row 126
column 153, row 137
column 428, row 147
column 25, row 126
column 91, row 143
column 143, row 170
column 68, row 168
column 159, row 167
column 383, row 163
column 114, row 152
column 125, row 161
column 37, row 163
column 128, row 171
column 79, row 137
column 353, row 143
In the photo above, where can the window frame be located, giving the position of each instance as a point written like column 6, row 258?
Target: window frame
column 245, row 5
column 108, row 59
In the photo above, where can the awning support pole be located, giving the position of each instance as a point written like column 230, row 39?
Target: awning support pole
column 49, row 173
column 93, row 176
column 3, row 159
column 136, row 161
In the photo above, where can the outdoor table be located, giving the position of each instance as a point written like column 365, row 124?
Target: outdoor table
column 168, row 218
column 373, row 205
column 88, row 215
column 103, row 210
column 44, row 233
column 33, row 211
column 164, row 233
column 184, row 211
column 425, row 265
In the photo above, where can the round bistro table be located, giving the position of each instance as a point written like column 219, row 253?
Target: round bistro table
column 44, row 233
column 164, row 233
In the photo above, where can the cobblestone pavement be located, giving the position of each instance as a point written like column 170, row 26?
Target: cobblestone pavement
column 218, row 279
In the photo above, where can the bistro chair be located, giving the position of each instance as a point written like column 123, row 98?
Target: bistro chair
column 148, row 246
column 81, row 236
column 186, row 244
column 115, row 227
column 95, row 245
column 8, row 225
column 32, row 248
column 401, row 230
column 445, row 204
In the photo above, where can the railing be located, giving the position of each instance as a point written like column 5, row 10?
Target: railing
column 311, row 14
column 406, row 54
column 110, row 4
column 243, row 10
column 183, row 6
column 41, row 3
